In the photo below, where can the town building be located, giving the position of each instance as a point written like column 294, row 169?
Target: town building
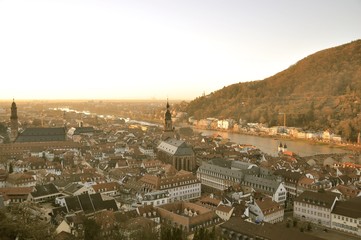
column 237, row 228
column 182, row 186
column 76, row 134
column 75, row 189
column 42, row 135
column 268, row 184
column 108, row 188
column 315, row 207
column 291, row 179
column 264, row 209
column 17, row 150
column 218, row 178
column 16, row 194
column 178, row 153
column 346, row 216
column 20, row 180
column 44, row 193
column 347, row 191
column 174, row 151
column 224, row 212
column 147, row 150
column 87, row 203
column 188, row 216
column 155, row 198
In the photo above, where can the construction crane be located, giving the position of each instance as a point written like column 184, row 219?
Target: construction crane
column 284, row 118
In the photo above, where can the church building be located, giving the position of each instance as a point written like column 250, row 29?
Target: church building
column 33, row 134
column 174, row 151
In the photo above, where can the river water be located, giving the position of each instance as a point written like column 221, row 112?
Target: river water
column 265, row 144
column 269, row 145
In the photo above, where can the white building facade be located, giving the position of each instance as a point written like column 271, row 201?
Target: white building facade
column 315, row 207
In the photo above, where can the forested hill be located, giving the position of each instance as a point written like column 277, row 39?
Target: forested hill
column 321, row 91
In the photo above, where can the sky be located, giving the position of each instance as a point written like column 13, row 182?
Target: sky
column 158, row 49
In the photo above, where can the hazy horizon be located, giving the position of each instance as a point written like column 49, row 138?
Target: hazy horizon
column 95, row 100
column 144, row 50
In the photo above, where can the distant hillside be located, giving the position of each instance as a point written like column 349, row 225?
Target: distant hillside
column 322, row 91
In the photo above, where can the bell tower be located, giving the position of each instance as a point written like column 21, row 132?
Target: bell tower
column 168, row 126
column 168, row 119
column 14, row 122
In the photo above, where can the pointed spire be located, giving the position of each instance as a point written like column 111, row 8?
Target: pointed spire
column 167, row 104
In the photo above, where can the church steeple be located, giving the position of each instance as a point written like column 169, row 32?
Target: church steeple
column 168, row 125
column 168, row 119
column 14, row 124
column 14, row 111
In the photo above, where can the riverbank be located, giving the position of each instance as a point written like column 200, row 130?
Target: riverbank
column 269, row 144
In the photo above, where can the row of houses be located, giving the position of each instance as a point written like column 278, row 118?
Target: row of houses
column 326, row 209
column 258, row 128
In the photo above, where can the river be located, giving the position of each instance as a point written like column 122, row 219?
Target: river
column 265, row 144
column 269, row 145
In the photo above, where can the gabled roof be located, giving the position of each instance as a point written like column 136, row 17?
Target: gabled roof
column 86, row 203
column 72, row 187
column 80, row 130
column 268, row 181
column 268, row 206
column 44, row 190
column 73, row 204
column 350, row 208
column 104, row 187
column 323, row 199
column 175, row 147
column 207, row 200
column 242, row 165
column 348, row 191
column 289, row 176
column 89, row 203
column 221, row 170
column 42, row 135
column 19, row 178
column 223, row 208
column 238, row 227
column 16, row 190
column 100, row 204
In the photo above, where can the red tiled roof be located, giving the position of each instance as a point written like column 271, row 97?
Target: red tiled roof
column 109, row 186
column 224, row 208
column 16, row 190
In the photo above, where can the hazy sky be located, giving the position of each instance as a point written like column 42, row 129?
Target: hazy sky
column 131, row 49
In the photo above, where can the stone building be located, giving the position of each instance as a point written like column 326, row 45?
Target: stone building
column 178, row 153
column 174, row 151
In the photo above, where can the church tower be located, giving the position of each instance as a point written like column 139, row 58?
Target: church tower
column 168, row 120
column 168, row 131
column 14, row 124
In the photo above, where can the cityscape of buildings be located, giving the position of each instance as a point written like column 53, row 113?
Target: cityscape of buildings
column 71, row 167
